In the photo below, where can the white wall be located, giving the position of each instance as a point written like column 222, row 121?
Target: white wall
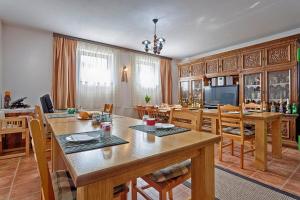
column 27, row 62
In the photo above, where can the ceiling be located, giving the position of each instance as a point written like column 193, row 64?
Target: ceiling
column 190, row 27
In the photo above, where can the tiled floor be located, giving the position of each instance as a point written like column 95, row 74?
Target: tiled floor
column 19, row 179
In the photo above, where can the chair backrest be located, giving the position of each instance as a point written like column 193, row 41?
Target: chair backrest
column 252, row 106
column 108, row 108
column 230, row 116
column 47, row 104
column 141, row 111
column 186, row 119
column 152, row 112
column 40, row 154
column 13, row 124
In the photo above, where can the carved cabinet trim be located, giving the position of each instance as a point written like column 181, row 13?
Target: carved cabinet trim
column 197, row 69
column 184, row 71
column 230, row 63
column 252, row 59
column 278, row 54
column 212, row 66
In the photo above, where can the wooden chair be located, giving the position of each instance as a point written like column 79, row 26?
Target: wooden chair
column 141, row 111
column 39, row 116
column 58, row 185
column 108, row 108
column 231, row 126
column 13, row 125
column 168, row 178
column 252, row 106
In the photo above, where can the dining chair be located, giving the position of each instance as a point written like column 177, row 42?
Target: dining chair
column 252, row 106
column 108, row 108
column 14, row 125
column 39, row 116
column 141, row 111
column 232, row 127
column 59, row 184
column 164, row 180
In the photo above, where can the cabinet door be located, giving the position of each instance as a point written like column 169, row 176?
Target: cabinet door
column 279, row 85
column 196, row 90
column 212, row 66
column 184, row 89
column 252, row 59
column 229, row 64
column 184, row 71
column 197, row 69
column 278, row 54
column 252, row 87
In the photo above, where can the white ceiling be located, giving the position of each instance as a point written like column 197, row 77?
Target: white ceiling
column 190, row 26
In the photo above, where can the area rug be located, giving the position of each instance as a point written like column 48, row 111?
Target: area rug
column 233, row 186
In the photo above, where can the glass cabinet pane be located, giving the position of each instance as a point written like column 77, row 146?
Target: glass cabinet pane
column 197, row 90
column 279, row 86
column 184, row 90
column 252, row 88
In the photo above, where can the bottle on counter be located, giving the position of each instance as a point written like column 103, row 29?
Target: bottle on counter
column 281, row 106
column 294, row 108
column 288, row 107
column 273, row 107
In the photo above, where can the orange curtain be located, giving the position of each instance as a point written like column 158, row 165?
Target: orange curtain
column 64, row 72
column 166, row 80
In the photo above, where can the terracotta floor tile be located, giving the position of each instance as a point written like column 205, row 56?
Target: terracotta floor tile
column 32, row 196
column 6, row 181
column 25, row 177
column 293, row 186
column 23, row 190
column 270, row 178
column 8, row 171
column 8, row 163
column 4, row 193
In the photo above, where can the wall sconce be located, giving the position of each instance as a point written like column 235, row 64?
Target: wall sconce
column 124, row 74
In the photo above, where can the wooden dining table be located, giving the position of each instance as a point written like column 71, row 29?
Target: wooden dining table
column 96, row 172
column 261, row 120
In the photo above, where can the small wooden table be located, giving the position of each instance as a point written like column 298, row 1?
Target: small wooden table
column 261, row 120
column 96, row 172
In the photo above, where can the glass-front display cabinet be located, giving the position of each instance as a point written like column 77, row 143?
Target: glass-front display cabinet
column 252, row 87
column 184, row 90
column 279, row 86
column 196, row 91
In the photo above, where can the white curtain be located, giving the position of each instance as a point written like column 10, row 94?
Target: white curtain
column 96, row 69
column 146, row 79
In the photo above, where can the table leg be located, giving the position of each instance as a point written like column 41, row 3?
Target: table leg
column 261, row 145
column 57, row 160
column 203, row 174
column 276, row 138
column 96, row 191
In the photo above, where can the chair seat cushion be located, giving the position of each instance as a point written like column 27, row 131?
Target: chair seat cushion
column 171, row 172
column 64, row 188
column 237, row 131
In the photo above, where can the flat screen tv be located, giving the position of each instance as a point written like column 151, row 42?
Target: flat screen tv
column 221, row 95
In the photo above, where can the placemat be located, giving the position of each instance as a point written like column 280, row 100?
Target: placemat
column 103, row 141
column 59, row 115
column 160, row 132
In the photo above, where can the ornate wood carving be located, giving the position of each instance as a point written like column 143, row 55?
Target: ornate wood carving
column 185, row 71
column 279, row 54
column 197, row 69
column 252, row 59
column 230, row 63
column 212, row 66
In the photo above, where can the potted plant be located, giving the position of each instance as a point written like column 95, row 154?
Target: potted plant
column 147, row 99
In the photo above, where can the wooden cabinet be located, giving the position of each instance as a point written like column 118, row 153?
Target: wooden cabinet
column 198, row 69
column 229, row 63
column 252, row 59
column 184, row 89
column 252, row 84
column 212, row 66
column 184, row 70
column 279, row 54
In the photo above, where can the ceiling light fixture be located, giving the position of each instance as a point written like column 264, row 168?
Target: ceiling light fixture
column 157, row 42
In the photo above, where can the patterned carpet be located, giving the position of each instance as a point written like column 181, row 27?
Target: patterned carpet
column 232, row 186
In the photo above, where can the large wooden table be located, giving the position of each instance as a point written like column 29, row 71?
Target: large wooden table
column 96, row 172
column 261, row 120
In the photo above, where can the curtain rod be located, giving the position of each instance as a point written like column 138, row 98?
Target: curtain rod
column 109, row 45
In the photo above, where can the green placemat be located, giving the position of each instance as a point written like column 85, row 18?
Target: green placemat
column 160, row 132
column 60, row 115
column 103, row 141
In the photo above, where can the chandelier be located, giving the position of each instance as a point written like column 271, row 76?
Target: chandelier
column 157, row 42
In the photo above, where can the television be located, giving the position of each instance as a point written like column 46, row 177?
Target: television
column 221, row 95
